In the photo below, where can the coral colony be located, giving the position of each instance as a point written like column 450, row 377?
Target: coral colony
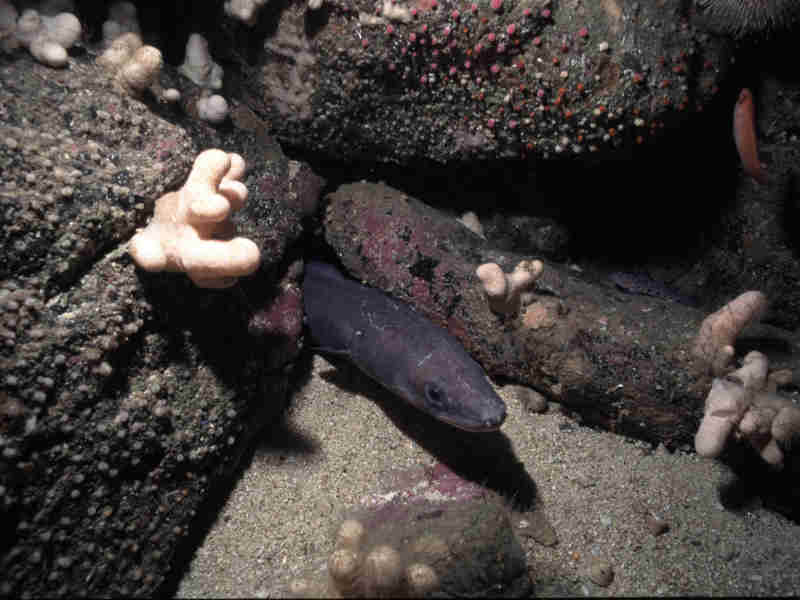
column 744, row 401
column 47, row 37
column 184, row 234
column 505, row 293
column 134, row 66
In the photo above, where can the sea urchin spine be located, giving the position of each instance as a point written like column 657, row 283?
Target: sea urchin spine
column 750, row 17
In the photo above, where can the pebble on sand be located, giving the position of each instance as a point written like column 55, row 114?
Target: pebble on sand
column 601, row 572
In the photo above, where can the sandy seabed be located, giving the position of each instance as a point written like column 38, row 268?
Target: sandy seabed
column 603, row 494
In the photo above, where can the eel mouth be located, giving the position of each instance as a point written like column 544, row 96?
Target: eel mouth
column 476, row 426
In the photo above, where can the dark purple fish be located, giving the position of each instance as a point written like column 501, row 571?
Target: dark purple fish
column 640, row 283
column 400, row 349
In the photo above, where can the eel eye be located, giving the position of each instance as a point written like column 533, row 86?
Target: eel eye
column 437, row 399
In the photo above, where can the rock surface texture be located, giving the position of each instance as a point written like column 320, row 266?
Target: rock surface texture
column 457, row 80
column 126, row 398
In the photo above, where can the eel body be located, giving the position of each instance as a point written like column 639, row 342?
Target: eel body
column 399, row 348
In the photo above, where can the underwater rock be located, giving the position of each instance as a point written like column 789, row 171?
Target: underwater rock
column 601, row 572
column 410, row 82
column 437, row 535
column 623, row 363
column 126, row 398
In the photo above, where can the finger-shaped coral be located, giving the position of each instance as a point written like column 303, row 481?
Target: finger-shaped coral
column 135, row 66
column 436, row 535
column 191, row 229
column 785, row 429
column 213, row 108
column 753, row 372
column 470, row 220
column 728, row 405
column 756, row 422
column 786, row 424
column 756, row 426
column 120, row 51
column 48, row 37
column 244, row 10
column 775, row 421
column 714, row 342
column 778, row 378
column 504, row 291
column 421, row 580
column 383, row 571
column 141, row 71
column 213, row 186
column 343, row 567
column 743, row 403
column 350, row 535
column 198, row 65
column 725, row 405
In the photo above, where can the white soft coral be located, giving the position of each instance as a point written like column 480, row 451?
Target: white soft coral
column 504, row 291
column 744, row 404
column 718, row 332
column 48, row 37
column 135, row 67
column 191, row 230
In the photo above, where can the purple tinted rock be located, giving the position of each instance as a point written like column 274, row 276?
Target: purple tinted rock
column 430, row 534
